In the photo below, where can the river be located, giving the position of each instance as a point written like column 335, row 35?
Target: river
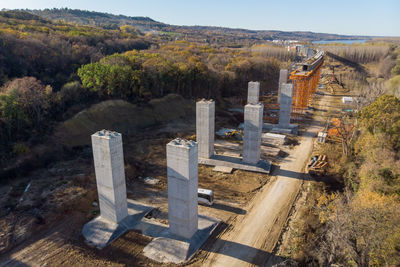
column 350, row 41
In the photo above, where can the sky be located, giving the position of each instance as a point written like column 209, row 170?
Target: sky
column 351, row 17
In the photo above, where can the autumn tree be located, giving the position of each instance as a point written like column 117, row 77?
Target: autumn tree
column 361, row 230
column 346, row 128
column 383, row 116
column 12, row 115
column 31, row 96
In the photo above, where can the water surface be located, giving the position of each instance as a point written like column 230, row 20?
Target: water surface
column 340, row 41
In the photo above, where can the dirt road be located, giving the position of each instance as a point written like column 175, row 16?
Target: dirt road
column 254, row 236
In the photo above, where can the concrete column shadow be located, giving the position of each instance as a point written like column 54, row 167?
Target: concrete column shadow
column 244, row 253
column 221, row 206
column 290, row 174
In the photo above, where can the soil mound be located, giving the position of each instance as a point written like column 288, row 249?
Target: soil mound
column 123, row 117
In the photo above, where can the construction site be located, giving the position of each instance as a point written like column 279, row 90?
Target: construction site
column 200, row 188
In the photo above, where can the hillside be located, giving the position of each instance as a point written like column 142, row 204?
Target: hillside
column 189, row 33
column 51, row 51
column 104, row 20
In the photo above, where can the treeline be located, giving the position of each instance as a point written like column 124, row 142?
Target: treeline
column 188, row 69
column 52, row 51
column 362, row 54
column 278, row 52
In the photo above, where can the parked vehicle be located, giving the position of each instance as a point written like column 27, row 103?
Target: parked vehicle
column 205, row 196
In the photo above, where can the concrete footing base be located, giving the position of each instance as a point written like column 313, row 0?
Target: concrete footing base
column 275, row 128
column 168, row 248
column 236, row 163
column 100, row 232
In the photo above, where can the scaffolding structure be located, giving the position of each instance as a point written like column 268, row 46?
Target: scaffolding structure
column 305, row 82
column 305, row 79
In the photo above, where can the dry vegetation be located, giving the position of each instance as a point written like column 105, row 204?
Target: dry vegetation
column 349, row 214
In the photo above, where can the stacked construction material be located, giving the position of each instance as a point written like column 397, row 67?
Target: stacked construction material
column 317, row 162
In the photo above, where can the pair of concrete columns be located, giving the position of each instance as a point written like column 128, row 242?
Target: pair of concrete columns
column 253, row 124
column 182, row 172
column 253, row 120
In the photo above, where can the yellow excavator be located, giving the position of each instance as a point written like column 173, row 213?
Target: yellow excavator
column 235, row 134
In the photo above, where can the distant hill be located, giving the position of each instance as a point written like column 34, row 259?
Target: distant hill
column 206, row 34
column 104, row 20
column 51, row 51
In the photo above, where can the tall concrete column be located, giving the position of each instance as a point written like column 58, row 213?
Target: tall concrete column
column 110, row 175
column 182, row 173
column 283, row 76
column 253, row 120
column 253, row 93
column 205, row 127
column 285, row 105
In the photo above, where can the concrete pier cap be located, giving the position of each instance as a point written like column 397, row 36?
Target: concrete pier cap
column 183, row 143
column 107, row 133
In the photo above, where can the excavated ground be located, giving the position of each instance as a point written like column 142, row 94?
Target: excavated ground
column 43, row 225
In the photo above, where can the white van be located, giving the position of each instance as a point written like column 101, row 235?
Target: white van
column 205, row 196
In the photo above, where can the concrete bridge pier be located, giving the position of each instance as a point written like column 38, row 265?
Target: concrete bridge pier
column 205, row 127
column 253, row 123
column 283, row 77
column 182, row 174
column 253, row 93
column 110, row 175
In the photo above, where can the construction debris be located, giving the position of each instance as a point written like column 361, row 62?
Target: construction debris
column 223, row 169
column 272, row 138
column 317, row 163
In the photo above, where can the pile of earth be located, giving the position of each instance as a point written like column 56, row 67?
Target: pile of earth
column 123, row 117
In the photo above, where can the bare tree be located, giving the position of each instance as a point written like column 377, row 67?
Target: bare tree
column 346, row 131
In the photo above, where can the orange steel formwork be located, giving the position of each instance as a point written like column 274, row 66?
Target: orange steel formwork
column 304, row 86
